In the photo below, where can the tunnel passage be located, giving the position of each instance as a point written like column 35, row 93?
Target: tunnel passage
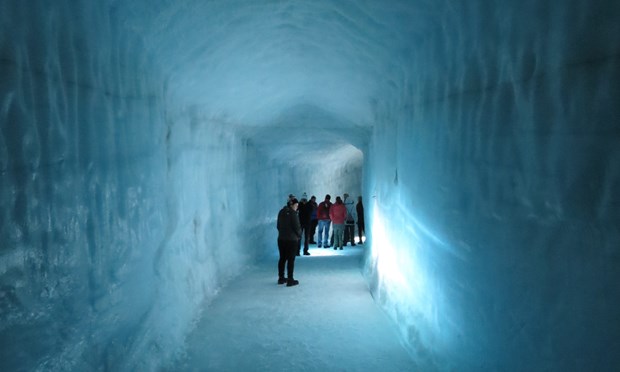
column 133, row 136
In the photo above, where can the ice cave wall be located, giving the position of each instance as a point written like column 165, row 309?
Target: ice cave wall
column 123, row 208
column 494, row 177
column 109, row 196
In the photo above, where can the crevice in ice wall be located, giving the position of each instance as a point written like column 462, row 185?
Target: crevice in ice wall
column 505, row 136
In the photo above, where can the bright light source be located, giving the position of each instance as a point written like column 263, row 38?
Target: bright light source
column 402, row 255
column 323, row 252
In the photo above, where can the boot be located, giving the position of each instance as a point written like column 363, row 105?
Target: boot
column 291, row 282
column 282, row 280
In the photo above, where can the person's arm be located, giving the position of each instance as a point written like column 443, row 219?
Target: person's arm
column 279, row 223
column 296, row 225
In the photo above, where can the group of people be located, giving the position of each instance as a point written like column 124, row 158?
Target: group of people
column 299, row 219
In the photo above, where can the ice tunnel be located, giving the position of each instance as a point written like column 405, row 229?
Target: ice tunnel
column 146, row 147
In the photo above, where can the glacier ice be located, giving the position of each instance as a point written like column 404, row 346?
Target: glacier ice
column 146, row 146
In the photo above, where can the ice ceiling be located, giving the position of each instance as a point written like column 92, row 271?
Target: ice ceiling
column 303, row 70
column 253, row 60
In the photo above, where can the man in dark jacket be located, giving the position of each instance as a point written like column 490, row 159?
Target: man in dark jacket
column 289, row 233
column 314, row 221
column 305, row 209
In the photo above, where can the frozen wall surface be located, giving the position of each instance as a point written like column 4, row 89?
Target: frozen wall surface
column 109, row 197
column 495, row 188
column 146, row 147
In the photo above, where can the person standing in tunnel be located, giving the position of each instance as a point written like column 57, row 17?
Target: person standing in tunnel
column 322, row 214
column 349, row 227
column 361, row 228
column 338, row 215
column 289, row 233
column 304, row 219
column 313, row 219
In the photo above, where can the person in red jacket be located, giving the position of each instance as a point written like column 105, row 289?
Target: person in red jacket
column 338, row 214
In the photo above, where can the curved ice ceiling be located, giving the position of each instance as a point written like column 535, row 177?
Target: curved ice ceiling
column 247, row 64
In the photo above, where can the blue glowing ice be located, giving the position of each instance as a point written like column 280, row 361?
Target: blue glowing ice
column 146, row 147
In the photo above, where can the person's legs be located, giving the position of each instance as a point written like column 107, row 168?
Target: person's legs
column 331, row 237
column 328, row 239
column 352, row 233
column 313, row 225
column 336, row 236
column 324, row 232
column 305, row 231
column 337, row 232
column 349, row 234
column 290, row 265
column 361, row 230
column 320, row 237
column 281, row 261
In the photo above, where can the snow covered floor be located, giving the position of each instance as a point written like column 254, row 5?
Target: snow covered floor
column 329, row 322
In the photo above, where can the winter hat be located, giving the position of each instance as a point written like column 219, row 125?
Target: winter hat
column 304, row 196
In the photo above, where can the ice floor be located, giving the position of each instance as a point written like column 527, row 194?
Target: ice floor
column 329, row 322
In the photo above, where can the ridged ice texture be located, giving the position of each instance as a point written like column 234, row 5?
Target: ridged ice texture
column 495, row 178
column 109, row 196
column 145, row 144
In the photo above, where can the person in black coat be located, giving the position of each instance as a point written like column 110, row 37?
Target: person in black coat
column 361, row 227
column 289, row 233
column 305, row 210
column 313, row 219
